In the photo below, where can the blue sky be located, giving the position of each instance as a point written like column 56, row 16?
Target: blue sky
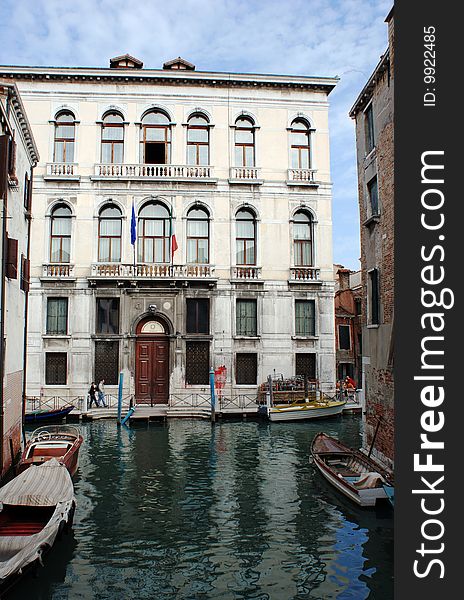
column 301, row 37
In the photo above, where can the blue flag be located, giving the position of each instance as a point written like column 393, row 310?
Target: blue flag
column 133, row 225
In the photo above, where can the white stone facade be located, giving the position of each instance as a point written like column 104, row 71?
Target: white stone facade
column 269, row 189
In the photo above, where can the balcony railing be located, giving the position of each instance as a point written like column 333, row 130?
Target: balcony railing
column 61, row 171
column 153, row 172
column 301, row 177
column 246, row 273
column 58, row 270
column 250, row 175
column 152, row 271
column 304, row 274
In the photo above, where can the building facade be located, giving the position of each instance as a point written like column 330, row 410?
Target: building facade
column 182, row 221
column 373, row 113
column 18, row 156
column 348, row 325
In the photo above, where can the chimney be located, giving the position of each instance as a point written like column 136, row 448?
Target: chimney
column 343, row 279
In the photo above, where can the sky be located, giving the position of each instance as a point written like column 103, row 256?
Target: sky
column 295, row 37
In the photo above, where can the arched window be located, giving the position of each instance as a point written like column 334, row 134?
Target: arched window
column 245, row 242
column 299, row 145
column 112, row 139
column 60, row 238
column 155, row 138
column 109, row 234
column 197, row 236
column 154, row 234
column 198, row 140
column 244, row 142
column 302, row 239
column 64, row 137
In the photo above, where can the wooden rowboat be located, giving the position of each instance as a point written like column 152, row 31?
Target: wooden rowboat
column 56, row 414
column 350, row 471
column 35, row 507
column 306, row 410
column 54, row 441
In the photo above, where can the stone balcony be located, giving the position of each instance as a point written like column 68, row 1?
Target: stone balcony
column 58, row 271
column 61, row 172
column 304, row 275
column 143, row 172
column 245, row 273
column 302, row 177
column 246, row 175
column 103, row 271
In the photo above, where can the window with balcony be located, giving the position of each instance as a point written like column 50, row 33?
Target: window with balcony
column 244, row 142
column 65, row 134
column 109, row 234
column 300, row 157
column 153, row 236
column 198, row 315
column 245, row 241
column 107, row 321
column 57, row 316
column 60, row 238
column 302, row 239
column 246, row 318
column 198, row 140
column 305, row 321
column 155, row 139
column 112, row 138
column 197, row 236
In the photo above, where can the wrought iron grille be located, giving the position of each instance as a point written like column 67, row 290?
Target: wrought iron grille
column 306, row 365
column 107, row 362
column 56, row 368
column 197, row 363
column 246, row 368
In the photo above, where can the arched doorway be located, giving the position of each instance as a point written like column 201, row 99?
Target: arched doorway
column 151, row 362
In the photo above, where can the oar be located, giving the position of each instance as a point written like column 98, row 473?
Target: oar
column 373, row 439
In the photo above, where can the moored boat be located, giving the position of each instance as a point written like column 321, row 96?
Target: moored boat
column 306, row 410
column 35, row 507
column 350, row 471
column 49, row 415
column 61, row 442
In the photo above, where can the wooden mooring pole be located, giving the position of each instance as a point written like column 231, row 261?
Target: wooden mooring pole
column 213, row 396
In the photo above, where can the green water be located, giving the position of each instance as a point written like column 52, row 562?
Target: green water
column 236, row 511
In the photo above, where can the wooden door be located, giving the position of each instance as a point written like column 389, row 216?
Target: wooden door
column 152, row 371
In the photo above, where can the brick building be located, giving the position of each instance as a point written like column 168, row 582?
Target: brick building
column 373, row 113
column 348, row 309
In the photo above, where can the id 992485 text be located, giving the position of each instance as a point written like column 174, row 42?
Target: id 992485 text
column 429, row 66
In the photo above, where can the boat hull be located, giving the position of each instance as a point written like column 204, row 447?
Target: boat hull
column 303, row 413
column 354, row 475
column 49, row 416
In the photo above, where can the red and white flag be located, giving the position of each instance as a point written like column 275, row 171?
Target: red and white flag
column 174, row 245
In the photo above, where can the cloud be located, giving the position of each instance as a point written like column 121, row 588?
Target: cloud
column 307, row 37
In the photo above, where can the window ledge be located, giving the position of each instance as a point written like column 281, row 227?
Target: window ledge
column 373, row 326
column 246, row 337
column 371, row 220
column 197, row 336
column 305, row 337
column 54, row 336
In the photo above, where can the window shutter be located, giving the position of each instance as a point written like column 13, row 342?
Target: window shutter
column 3, row 166
column 12, row 258
column 25, row 269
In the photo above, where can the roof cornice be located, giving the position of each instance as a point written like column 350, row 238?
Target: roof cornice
column 168, row 77
column 18, row 107
column 366, row 92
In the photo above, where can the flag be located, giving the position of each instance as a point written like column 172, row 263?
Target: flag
column 133, row 225
column 174, row 245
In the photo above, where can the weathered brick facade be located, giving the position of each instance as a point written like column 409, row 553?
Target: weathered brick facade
column 376, row 169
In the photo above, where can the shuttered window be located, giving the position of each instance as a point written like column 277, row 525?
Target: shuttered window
column 12, row 258
column 305, row 318
column 198, row 315
column 57, row 316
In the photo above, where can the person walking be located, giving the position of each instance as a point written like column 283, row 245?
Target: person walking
column 92, row 395
column 101, row 393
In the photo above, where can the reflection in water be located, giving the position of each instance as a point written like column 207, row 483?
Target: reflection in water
column 235, row 511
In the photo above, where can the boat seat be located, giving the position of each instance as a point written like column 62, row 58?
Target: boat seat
column 50, row 451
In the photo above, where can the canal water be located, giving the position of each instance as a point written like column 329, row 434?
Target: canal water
column 188, row 511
